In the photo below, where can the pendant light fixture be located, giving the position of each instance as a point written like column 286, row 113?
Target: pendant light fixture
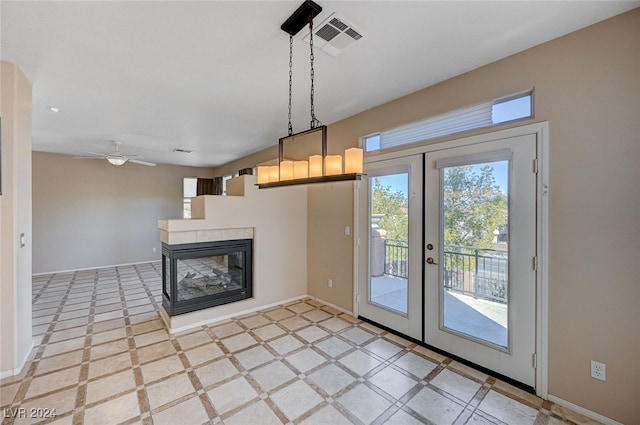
column 318, row 168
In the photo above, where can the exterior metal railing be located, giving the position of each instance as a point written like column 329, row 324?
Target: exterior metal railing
column 395, row 258
column 479, row 272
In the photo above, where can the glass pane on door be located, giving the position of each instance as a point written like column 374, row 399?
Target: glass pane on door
column 475, row 274
column 389, row 242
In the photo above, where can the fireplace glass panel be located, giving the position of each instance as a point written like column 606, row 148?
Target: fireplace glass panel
column 216, row 274
column 166, row 281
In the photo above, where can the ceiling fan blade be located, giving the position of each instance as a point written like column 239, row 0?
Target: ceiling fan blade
column 137, row 161
column 89, row 157
column 101, row 155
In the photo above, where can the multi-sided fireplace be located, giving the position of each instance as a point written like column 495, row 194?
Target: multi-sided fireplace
column 202, row 275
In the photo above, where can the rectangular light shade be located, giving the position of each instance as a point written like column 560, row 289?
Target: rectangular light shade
column 274, row 174
column 301, row 169
column 315, row 166
column 353, row 160
column 286, row 170
column 333, row 165
column 263, row 174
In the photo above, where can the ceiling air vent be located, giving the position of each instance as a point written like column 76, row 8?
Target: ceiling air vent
column 334, row 35
column 187, row 151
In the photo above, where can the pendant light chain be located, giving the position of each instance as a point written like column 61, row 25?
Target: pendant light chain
column 318, row 168
column 314, row 120
column 290, row 79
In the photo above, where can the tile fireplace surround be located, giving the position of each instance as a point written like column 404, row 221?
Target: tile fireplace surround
column 103, row 356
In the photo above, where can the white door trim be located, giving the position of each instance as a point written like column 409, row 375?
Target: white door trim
column 356, row 245
column 542, row 313
column 541, row 130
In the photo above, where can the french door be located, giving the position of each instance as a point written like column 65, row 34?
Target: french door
column 390, row 265
column 480, row 240
column 462, row 277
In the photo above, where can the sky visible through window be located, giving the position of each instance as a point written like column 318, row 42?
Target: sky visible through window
column 511, row 110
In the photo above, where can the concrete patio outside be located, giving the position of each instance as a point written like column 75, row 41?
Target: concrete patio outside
column 479, row 318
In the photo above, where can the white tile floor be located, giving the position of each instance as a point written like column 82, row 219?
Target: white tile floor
column 104, row 357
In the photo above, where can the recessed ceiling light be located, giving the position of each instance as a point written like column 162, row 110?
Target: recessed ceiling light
column 187, row 151
column 54, row 108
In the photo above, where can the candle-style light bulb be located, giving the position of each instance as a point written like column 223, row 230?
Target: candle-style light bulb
column 353, row 160
column 333, row 165
column 315, row 166
column 286, row 170
column 301, row 169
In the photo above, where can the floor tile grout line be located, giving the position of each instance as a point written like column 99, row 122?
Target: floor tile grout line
column 81, row 396
column 41, row 290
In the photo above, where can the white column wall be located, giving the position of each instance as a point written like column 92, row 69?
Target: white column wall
column 15, row 220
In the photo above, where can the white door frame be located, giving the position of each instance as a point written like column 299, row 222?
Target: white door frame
column 541, row 130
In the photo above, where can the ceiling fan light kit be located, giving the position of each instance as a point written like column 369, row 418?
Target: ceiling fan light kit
column 116, row 161
column 116, row 158
column 317, row 168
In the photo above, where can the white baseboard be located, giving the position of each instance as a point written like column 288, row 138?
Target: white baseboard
column 97, row 267
column 586, row 412
column 166, row 319
column 18, row 370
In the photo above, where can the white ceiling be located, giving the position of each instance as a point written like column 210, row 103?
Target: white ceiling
column 212, row 76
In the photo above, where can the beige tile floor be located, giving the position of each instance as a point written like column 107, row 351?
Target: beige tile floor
column 103, row 356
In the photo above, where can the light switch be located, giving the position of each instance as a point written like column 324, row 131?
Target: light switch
column 347, row 230
column 23, row 240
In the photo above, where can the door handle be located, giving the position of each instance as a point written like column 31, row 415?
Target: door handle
column 430, row 261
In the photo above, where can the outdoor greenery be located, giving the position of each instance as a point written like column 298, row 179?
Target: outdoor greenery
column 474, row 207
column 394, row 206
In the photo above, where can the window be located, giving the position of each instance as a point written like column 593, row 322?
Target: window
column 513, row 108
column 188, row 191
column 372, row 143
column 479, row 116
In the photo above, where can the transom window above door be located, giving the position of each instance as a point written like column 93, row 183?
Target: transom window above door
column 488, row 114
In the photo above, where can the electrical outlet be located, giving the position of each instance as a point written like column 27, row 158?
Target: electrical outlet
column 330, row 283
column 154, row 249
column 598, row 370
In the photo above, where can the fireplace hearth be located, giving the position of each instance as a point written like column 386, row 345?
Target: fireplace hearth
column 207, row 274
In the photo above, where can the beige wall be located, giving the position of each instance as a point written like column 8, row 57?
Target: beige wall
column 15, row 219
column 330, row 251
column 88, row 213
column 587, row 85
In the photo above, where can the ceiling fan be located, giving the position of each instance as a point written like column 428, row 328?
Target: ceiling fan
column 116, row 158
